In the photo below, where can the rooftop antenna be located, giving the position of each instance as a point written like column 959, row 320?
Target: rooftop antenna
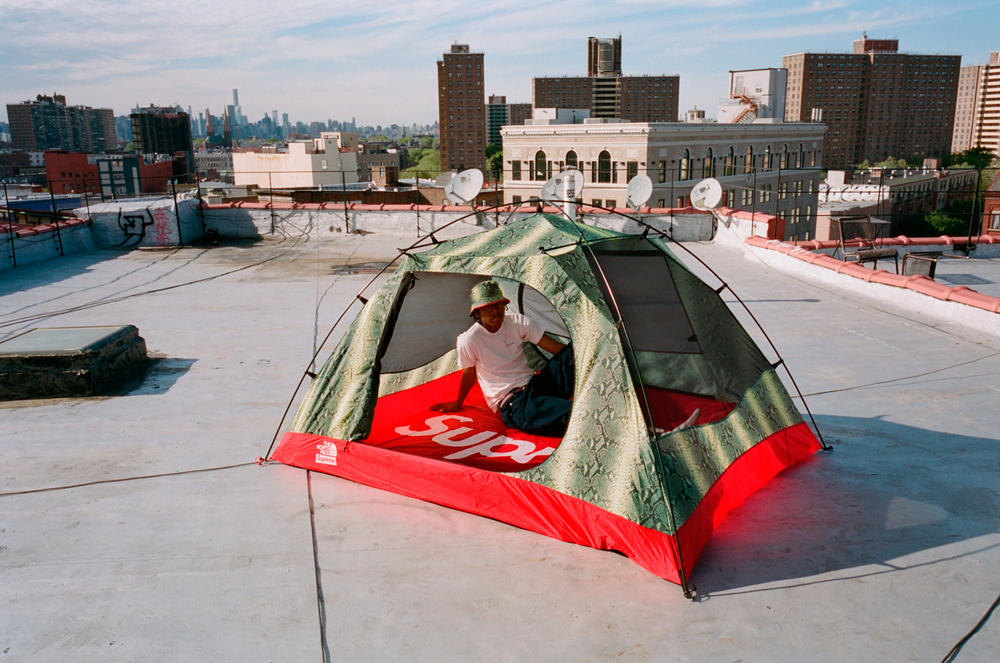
column 563, row 188
column 463, row 188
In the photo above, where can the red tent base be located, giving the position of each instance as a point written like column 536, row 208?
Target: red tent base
column 531, row 506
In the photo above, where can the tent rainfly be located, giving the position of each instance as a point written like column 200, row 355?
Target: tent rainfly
column 652, row 343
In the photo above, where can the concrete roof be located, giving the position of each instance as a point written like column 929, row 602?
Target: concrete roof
column 138, row 527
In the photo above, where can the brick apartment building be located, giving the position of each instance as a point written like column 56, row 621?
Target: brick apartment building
column 606, row 92
column 158, row 130
column 48, row 123
column 876, row 101
column 461, row 109
column 107, row 175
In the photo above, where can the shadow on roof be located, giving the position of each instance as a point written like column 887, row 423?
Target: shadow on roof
column 888, row 492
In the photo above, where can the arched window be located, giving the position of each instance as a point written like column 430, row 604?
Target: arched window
column 604, row 167
column 783, row 163
column 709, row 167
column 748, row 160
column 802, row 156
column 571, row 160
column 538, row 172
column 767, row 158
column 684, row 169
column 731, row 162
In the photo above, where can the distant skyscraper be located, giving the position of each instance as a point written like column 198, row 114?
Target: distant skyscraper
column 496, row 117
column 875, row 101
column 606, row 92
column 236, row 97
column 461, row 112
column 47, row 122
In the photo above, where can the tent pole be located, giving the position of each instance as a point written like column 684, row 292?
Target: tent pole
column 774, row 348
column 307, row 373
column 689, row 590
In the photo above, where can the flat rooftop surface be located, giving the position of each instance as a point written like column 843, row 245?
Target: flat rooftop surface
column 138, row 527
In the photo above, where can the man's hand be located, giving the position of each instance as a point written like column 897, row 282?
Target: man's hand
column 449, row 406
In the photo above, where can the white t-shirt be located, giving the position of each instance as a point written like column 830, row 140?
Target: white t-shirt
column 498, row 357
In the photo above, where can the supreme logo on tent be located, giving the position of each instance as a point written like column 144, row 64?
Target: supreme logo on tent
column 475, row 442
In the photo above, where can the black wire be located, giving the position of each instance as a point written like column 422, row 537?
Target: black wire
column 113, row 300
column 320, row 601
column 905, row 377
column 124, row 479
column 953, row 652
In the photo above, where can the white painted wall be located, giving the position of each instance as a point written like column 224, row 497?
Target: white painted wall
column 35, row 248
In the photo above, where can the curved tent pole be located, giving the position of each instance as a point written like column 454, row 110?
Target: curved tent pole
column 725, row 286
column 359, row 297
column 689, row 590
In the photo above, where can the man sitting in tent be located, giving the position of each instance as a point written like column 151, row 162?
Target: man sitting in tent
column 490, row 351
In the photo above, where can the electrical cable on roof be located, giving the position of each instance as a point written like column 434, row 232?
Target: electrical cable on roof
column 99, row 482
column 905, row 377
column 953, row 653
column 112, row 300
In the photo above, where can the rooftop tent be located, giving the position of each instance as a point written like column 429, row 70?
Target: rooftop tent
column 651, row 342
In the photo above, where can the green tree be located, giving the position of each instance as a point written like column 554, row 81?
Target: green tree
column 946, row 224
column 427, row 142
column 428, row 165
column 494, row 160
column 979, row 158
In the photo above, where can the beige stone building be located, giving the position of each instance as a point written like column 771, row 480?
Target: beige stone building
column 329, row 160
column 773, row 168
column 968, row 105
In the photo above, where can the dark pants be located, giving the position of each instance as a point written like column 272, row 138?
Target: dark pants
column 543, row 405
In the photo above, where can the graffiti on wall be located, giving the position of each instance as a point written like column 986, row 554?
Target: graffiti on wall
column 134, row 224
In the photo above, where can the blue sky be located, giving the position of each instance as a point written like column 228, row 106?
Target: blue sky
column 318, row 59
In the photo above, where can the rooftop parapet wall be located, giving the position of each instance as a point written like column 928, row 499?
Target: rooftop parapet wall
column 251, row 220
column 984, row 308
column 42, row 242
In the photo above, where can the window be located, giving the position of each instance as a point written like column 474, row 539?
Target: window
column 783, row 163
column 604, row 167
column 730, row 162
column 765, row 193
column 515, row 170
column 748, row 160
column 571, row 160
column 516, row 200
column 767, row 158
column 538, row 172
column 631, row 170
column 684, row 168
column 662, row 173
column 708, row 168
column 995, row 221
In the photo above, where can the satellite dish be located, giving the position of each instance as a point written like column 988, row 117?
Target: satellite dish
column 640, row 188
column 706, row 194
column 464, row 187
column 564, row 186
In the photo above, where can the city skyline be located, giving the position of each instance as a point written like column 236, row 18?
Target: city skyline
column 301, row 60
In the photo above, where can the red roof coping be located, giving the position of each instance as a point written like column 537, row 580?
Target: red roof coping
column 917, row 283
